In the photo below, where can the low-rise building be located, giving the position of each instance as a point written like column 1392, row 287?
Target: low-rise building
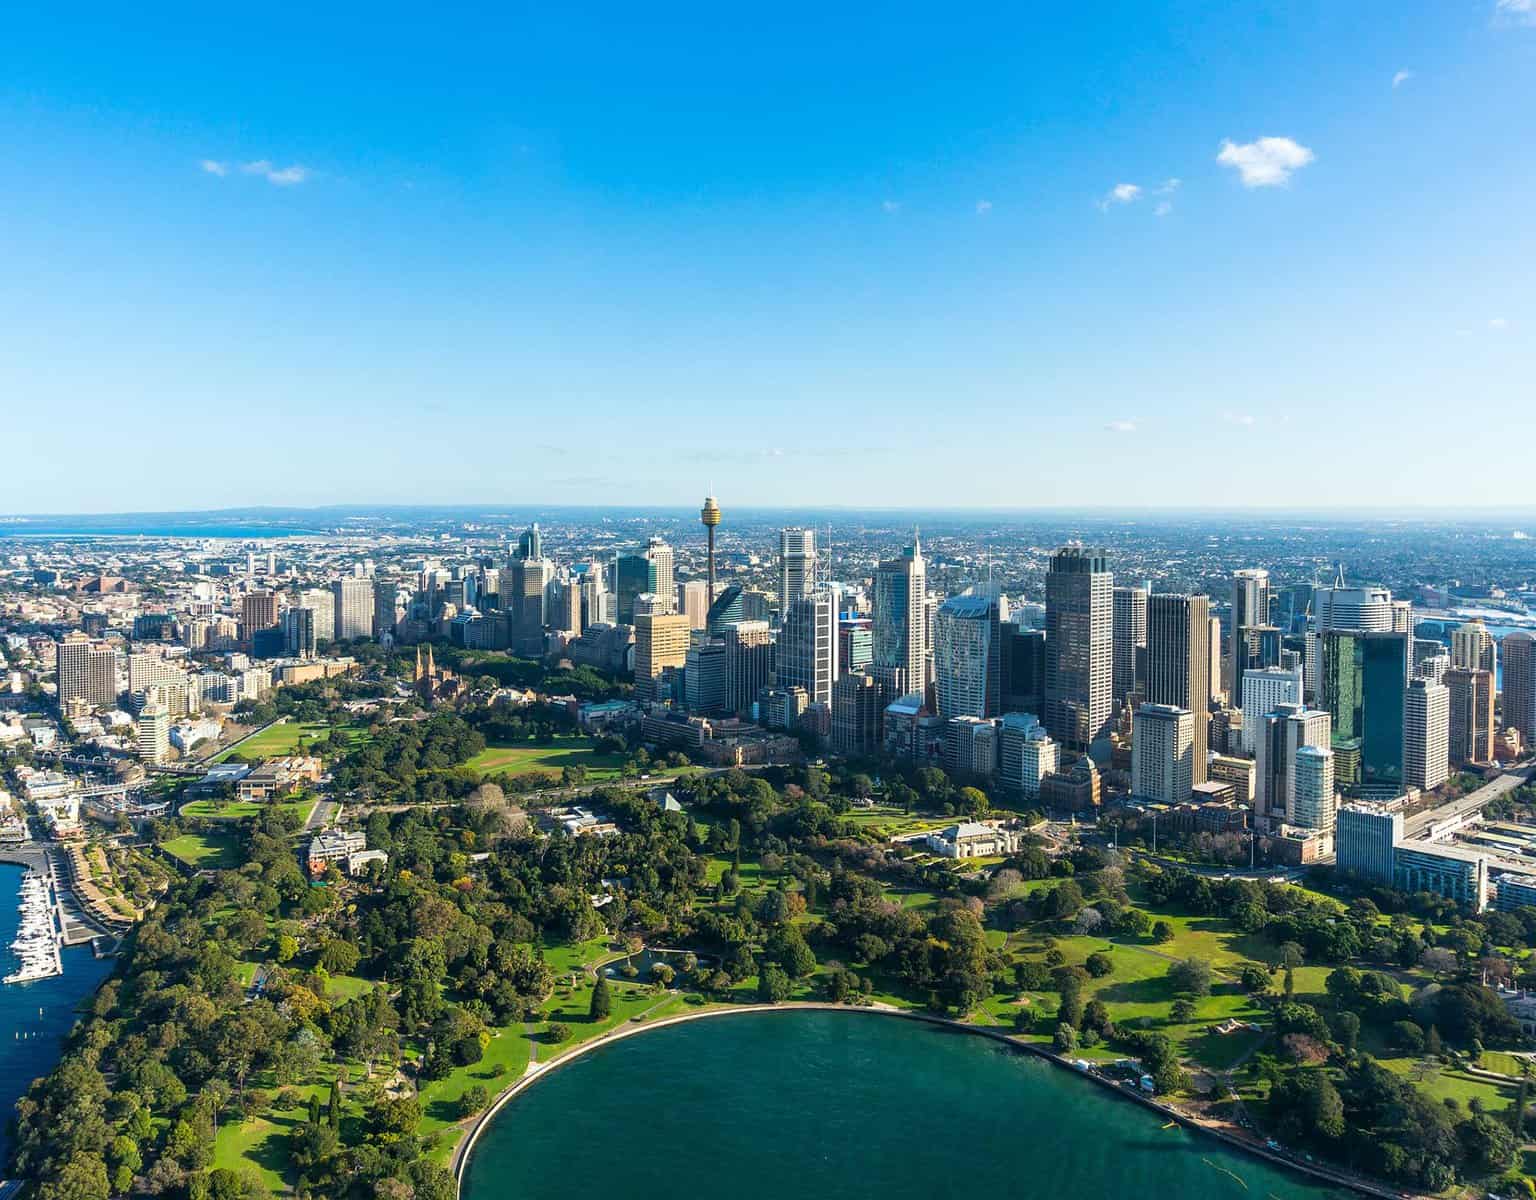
column 334, row 845
column 972, row 839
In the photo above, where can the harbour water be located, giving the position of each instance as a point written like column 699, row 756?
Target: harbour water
column 35, row 1016
column 857, row 1106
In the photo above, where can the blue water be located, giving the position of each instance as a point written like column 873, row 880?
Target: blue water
column 35, row 1017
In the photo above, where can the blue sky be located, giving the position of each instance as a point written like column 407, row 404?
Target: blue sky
column 1258, row 254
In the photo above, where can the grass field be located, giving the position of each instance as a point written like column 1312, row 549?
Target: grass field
column 524, row 758
column 284, row 738
column 214, row 851
column 235, row 810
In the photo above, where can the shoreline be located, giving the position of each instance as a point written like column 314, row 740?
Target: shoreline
column 458, row 1160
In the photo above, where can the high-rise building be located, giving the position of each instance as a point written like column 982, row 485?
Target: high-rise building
column 1130, row 635
column 970, row 746
column 1364, row 680
column 1280, row 735
column 807, row 648
column 748, row 663
column 1402, row 616
column 529, row 594
column 1473, row 647
column 1263, row 692
column 797, row 565
column 1213, row 671
column 1426, row 734
column 258, row 610
column 855, row 643
column 1314, row 804
column 967, row 656
column 1519, row 695
column 856, row 715
column 900, row 650
column 322, row 604
column 386, row 607
column 1368, row 609
column 1179, row 662
column 1471, row 722
column 1364, row 838
column 661, row 641
column 1079, row 646
column 153, row 732
column 1022, row 668
column 693, row 602
column 1026, row 754
column 299, row 631
column 649, row 570
column 1250, row 608
column 1163, row 752
column 704, row 678
column 354, row 608
column 87, row 671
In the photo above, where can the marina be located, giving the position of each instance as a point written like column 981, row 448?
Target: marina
column 38, row 942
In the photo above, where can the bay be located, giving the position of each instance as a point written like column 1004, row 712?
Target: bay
column 842, row 1104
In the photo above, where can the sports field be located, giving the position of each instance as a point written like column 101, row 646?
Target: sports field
column 522, row 758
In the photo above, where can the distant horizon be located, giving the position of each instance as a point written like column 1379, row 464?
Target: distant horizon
column 493, row 507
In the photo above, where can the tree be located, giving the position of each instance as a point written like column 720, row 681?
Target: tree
column 1192, row 976
column 1099, row 964
column 1065, row 1039
column 333, row 1109
column 602, row 1000
column 1182, row 1010
column 1306, row 1106
column 474, row 1100
column 558, row 1032
column 1255, row 979
column 1162, row 931
column 773, row 985
column 1346, row 1031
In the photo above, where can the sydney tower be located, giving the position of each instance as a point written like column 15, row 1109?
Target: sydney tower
column 710, row 516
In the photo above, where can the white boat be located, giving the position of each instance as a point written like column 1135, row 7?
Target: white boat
column 37, row 942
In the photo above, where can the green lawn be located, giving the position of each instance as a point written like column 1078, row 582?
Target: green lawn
column 277, row 740
column 234, row 810
column 214, row 851
column 506, row 1058
column 522, row 758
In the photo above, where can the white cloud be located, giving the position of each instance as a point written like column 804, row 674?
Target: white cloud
column 1401, row 78
column 1163, row 209
column 1246, row 420
column 983, row 207
column 1498, row 323
column 282, row 176
column 1121, row 193
column 1515, row 12
column 1121, row 427
column 1169, row 187
column 261, row 167
column 1267, row 162
column 890, row 206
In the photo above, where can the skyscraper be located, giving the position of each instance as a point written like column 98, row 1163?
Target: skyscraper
column 1314, row 804
column 1519, row 652
column 649, row 570
column 1079, row 646
column 1130, row 635
column 1263, row 692
column 1179, row 662
column 299, row 631
column 386, row 611
column 153, row 732
column 1363, row 608
column 1471, row 720
column 807, row 649
column 87, row 670
column 900, row 645
column 966, row 656
column 1426, row 734
column 1163, row 753
column 530, row 544
column 1250, row 607
column 258, row 610
column 1281, row 734
column 1473, row 647
column 661, row 641
column 354, row 608
column 797, row 565
column 855, row 715
column 748, row 663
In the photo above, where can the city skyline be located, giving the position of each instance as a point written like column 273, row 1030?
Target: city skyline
column 1088, row 245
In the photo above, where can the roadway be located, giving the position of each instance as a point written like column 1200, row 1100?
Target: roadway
column 1420, row 824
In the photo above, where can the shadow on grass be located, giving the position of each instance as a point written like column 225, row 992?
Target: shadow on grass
column 1139, row 991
